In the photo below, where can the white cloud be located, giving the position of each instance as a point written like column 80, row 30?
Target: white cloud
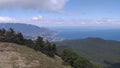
column 37, row 18
column 30, row 4
column 7, row 19
column 40, row 21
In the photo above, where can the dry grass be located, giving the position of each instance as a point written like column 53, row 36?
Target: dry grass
column 18, row 56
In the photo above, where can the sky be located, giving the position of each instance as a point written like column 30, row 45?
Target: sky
column 61, row 12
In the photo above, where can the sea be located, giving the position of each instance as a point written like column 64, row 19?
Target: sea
column 107, row 33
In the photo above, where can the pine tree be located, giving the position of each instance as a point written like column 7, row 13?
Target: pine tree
column 10, row 35
column 19, row 38
column 39, row 44
column 30, row 43
column 2, row 34
column 54, row 49
column 49, row 49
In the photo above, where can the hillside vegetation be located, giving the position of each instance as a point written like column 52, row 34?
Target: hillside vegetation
column 104, row 52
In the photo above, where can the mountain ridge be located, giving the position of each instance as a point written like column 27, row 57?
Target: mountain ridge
column 30, row 30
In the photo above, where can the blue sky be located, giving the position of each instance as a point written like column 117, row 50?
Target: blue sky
column 95, row 9
column 56, row 11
